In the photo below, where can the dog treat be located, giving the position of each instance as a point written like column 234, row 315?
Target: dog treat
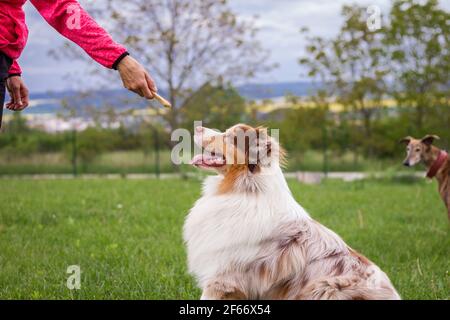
column 163, row 101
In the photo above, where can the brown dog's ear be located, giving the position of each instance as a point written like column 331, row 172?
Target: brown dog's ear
column 406, row 140
column 429, row 139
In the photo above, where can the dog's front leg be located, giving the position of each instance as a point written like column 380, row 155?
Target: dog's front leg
column 445, row 194
column 448, row 202
column 223, row 289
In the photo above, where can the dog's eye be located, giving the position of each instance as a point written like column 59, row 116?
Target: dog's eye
column 417, row 150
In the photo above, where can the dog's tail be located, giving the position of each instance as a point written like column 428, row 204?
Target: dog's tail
column 348, row 288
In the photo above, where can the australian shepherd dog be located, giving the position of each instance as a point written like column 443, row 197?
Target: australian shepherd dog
column 247, row 237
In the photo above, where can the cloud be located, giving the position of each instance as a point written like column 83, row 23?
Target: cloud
column 280, row 23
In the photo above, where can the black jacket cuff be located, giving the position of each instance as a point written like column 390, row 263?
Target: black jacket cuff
column 120, row 58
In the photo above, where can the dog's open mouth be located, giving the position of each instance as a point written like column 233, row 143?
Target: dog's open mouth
column 208, row 160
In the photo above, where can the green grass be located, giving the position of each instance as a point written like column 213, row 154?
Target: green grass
column 126, row 235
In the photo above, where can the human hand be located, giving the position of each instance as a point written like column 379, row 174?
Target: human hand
column 135, row 78
column 18, row 92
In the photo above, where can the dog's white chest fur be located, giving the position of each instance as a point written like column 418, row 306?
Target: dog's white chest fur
column 226, row 230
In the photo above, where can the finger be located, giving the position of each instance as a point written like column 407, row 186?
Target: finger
column 20, row 108
column 150, row 82
column 16, row 96
column 138, row 91
column 146, row 91
column 25, row 97
column 16, row 106
column 12, row 106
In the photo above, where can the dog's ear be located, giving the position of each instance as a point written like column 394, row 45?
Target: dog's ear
column 406, row 140
column 429, row 139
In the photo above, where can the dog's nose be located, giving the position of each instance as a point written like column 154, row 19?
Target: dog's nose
column 199, row 129
column 406, row 164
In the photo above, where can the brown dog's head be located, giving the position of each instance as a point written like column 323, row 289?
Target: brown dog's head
column 418, row 150
column 239, row 153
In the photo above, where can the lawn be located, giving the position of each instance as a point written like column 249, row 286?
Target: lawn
column 126, row 235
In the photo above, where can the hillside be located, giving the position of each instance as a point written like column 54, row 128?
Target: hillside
column 50, row 102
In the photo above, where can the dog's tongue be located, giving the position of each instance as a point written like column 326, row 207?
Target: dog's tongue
column 207, row 160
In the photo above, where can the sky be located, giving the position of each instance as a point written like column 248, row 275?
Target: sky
column 279, row 22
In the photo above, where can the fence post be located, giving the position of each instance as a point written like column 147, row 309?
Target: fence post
column 74, row 152
column 325, row 149
column 157, row 156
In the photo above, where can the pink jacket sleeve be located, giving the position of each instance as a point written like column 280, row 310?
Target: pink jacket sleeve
column 15, row 68
column 74, row 23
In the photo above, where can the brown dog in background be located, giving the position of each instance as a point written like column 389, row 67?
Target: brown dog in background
column 436, row 160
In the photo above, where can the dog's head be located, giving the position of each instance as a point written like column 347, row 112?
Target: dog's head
column 417, row 150
column 239, row 151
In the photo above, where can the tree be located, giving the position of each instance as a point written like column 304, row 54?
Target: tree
column 419, row 45
column 185, row 44
column 217, row 106
column 351, row 67
column 301, row 128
